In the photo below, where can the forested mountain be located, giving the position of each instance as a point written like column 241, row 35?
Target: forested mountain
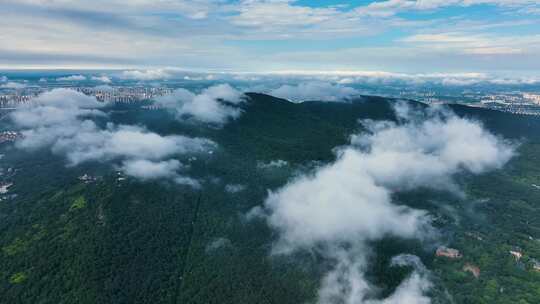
column 110, row 238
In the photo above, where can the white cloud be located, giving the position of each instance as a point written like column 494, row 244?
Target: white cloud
column 3, row 79
column 339, row 202
column 314, row 91
column 235, row 30
column 415, row 288
column 199, row 78
column 104, row 87
column 234, row 188
column 146, row 169
column 392, row 7
column 103, row 78
column 146, row 74
column 342, row 206
column 342, row 78
column 60, row 120
column 216, row 104
column 515, row 81
column 280, row 13
column 217, row 244
column 346, row 282
column 194, row 9
column 149, row 170
column 59, row 106
column 458, row 82
column 286, row 19
column 531, row 10
column 72, row 78
column 125, row 142
column 474, row 44
column 12, row 85
column 272, row 164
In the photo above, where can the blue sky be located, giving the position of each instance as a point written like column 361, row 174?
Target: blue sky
column 400, row 36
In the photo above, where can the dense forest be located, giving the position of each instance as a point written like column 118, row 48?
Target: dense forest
column 115, row 239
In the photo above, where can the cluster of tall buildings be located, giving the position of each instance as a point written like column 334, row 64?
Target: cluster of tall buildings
column 9, row 136
column 11, row 99
column 124, row 94
column 534, row 98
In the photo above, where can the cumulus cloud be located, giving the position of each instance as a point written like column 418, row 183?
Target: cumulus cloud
column 338, row 209
column 60, row 119
column 72, row 78
column 125, row 142
column 146, row 75
column 216, row 104
column 145, row 169
column 3, row 79
column 59, row 106
column 314, row 91
column 12, row 85
column 103, row 78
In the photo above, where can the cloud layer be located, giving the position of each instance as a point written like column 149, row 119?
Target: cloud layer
column 12, row 85
column 72, row 78
column 61, row 119
column 152, row 74
column 314, row 91
column 339, row 85
column 343, row 205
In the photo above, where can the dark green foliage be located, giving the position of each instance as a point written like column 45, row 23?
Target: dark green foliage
column 110, row 241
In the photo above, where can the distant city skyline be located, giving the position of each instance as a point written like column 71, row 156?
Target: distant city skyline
column 399, row 36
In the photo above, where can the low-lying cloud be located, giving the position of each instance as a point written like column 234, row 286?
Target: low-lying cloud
column 216, row 104
column 272, row 164
column 145, row 169
column 314, row 91
column 218, row 244
column 12, row 85
column 61, row 119
column 338, row 209
column 102, row 78
column 72, row 78
column 235, row 188
column 146, row 75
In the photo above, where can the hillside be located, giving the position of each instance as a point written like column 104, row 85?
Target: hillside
column 116, row 239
